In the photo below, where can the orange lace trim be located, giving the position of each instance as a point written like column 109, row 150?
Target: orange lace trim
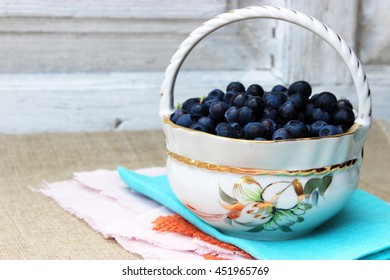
column 177, row 224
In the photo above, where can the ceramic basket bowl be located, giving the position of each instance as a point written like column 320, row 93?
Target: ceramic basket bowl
column 265, row 190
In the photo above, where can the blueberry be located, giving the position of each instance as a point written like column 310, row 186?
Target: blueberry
column 270, row 127
column 254, row 130
column 279, row 88
column 189, row 102
column 235, row 86
column 297, row 129
column 185, row 120
column 217, row 94
column 299, row 100
column 231, row 114
column 228, row 97
column 308, row 109
column 225, row 130
column 302, row 87
column 255, row 90
column 207, row 123
column 288, row 111
column 256, row 103
column 270, row 113
column 198, row 126
column 326, row 101
column 177, row 114
column 313, row 98
column 281, row 134
column 238, row 131
column 316, row 127
column 217, row 110
column 198, row 110
column 329, row 130
column 238, row 99
column 341, row 103
column 344, row 116
column 275, row 99
column 245, row 115
column 318, row 114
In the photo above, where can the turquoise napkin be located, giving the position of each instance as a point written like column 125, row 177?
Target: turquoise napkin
column 360, row 231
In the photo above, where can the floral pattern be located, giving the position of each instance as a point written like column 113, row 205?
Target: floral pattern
column 278, row 205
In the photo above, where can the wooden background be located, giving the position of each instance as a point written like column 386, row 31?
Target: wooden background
column 98, row 65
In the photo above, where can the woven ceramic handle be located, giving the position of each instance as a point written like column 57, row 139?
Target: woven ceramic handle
column 323, row 31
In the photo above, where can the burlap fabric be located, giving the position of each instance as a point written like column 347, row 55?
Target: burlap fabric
column 34, row 227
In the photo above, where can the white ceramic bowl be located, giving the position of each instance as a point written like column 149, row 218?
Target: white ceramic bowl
column 265, row 190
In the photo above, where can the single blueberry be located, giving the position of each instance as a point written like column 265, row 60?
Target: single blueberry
column 216, row 93
column 198, row 126
column 198, row 110
column 217, row 110
column 275, row 99
column 279, row 88
column 299, row 100
column 329, row 130
column 297, row 129
column 343, row 116
column 245, row 115
column 238, row 131
column 228, row 97
column 281, row 134
column 177, row 114
column 255, row 90
column 185, row 120
column 231, row 114
column 302, row 87
column 288, row 111
column 318, row 114
column 270, row 113
column 207, row 123
column 254, row 130
column 326, row 101
column 313, row 98
column 256, row 103
column 189, row 102
column 270, row 127
column 316, row 127
column 238, row 99
column 235, row 86
column 225, row 130
column 341, row 103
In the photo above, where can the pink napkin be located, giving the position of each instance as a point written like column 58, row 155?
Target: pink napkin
column 139, row 224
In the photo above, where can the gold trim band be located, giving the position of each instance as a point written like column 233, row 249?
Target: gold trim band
column 254, row 171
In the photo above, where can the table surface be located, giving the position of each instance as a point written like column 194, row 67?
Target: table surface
column 35, row 227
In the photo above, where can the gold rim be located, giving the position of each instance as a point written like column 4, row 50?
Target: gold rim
column 255, row 171
column 352, row 130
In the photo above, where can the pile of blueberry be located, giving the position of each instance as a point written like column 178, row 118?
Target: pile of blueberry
column 252, row 113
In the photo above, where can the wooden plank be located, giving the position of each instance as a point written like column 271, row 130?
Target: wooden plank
column 308, row 57
column 374, row 32
column 113, row 8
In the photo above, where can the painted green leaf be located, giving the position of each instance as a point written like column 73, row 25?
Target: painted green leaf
column 327, row 180
column 271, row 225
column 256, row 229
column 226, row 198
column 307, row 206
column 251, row 196
column 285, row 229
column 317, row 183
column 300, row 219
column 285, row 218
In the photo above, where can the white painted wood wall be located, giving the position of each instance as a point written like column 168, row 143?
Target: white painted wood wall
column 98, row 65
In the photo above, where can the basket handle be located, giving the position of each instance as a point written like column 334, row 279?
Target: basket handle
column 333, row 39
